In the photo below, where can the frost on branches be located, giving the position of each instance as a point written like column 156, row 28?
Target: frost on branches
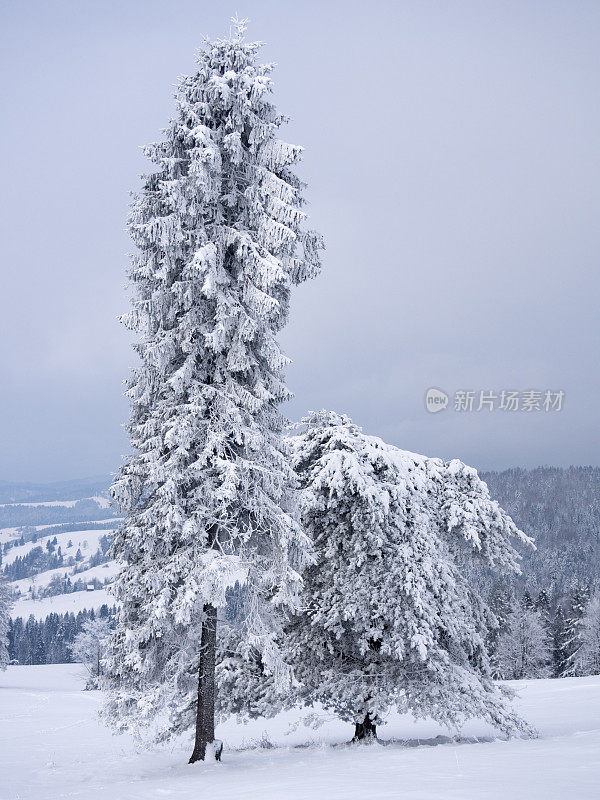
column 388, row 619
column 89, row 647
column 208, row 494
column 524, row 648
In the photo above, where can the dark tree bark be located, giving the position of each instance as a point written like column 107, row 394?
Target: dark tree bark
column 205, row 713
column 365, row 730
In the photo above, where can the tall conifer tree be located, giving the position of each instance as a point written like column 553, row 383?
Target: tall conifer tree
column 208, row 492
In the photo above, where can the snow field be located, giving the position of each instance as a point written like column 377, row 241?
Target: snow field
column 61, row 604
column 52, row 746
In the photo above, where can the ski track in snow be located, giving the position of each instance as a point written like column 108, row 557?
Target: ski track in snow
column 52, row 745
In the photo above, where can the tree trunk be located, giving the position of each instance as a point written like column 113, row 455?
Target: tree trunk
column 205, row 713
column 365, row 730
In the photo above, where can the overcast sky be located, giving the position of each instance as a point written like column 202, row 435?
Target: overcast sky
column 453, row 168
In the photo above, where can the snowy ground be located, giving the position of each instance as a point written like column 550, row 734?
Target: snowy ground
column 52, row 746
column 24, row 586
column 62, row 604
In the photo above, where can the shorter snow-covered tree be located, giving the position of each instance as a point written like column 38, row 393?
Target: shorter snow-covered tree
column 585, row 660
column 575, row 634
column 544, row 607
column 524, row 648
column 89, row 648
column 559, row 643
column 388, row 618
column 502, row 603
column 5, row 607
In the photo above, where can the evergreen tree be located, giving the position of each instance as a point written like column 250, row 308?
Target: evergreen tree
column 574, row 634
column 559, row 643
column 543, row 606
column 502, row 604
column 5, row 607
column 527, row 601
column 36, row 651
column 209, row 492
column 388, row 619
column 585, row 659
column 16, row 639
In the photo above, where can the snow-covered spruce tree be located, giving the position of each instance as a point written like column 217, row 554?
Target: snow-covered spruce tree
column 574, row 633
column 585, row 660
column 502, row 603
column 559, row 643
column 5, row 607
column 388, row 620
column 209, row 492
column 544, row 606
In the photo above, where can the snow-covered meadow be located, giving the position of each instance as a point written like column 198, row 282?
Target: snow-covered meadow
column 83, row 540
column 53, row 746
column 28, row 591
column 65, row 603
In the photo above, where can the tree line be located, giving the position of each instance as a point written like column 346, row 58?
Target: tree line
column 560, row 509
column 20, row 515
column 49, row 640
column 544, row 636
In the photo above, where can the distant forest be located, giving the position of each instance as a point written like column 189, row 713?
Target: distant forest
column 77, row 489
column 560, row 509
column 547, row 616
column 21, row 516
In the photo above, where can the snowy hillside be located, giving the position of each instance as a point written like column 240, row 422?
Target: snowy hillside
column 62, row 603
column 53, row 746
column 56, row 561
